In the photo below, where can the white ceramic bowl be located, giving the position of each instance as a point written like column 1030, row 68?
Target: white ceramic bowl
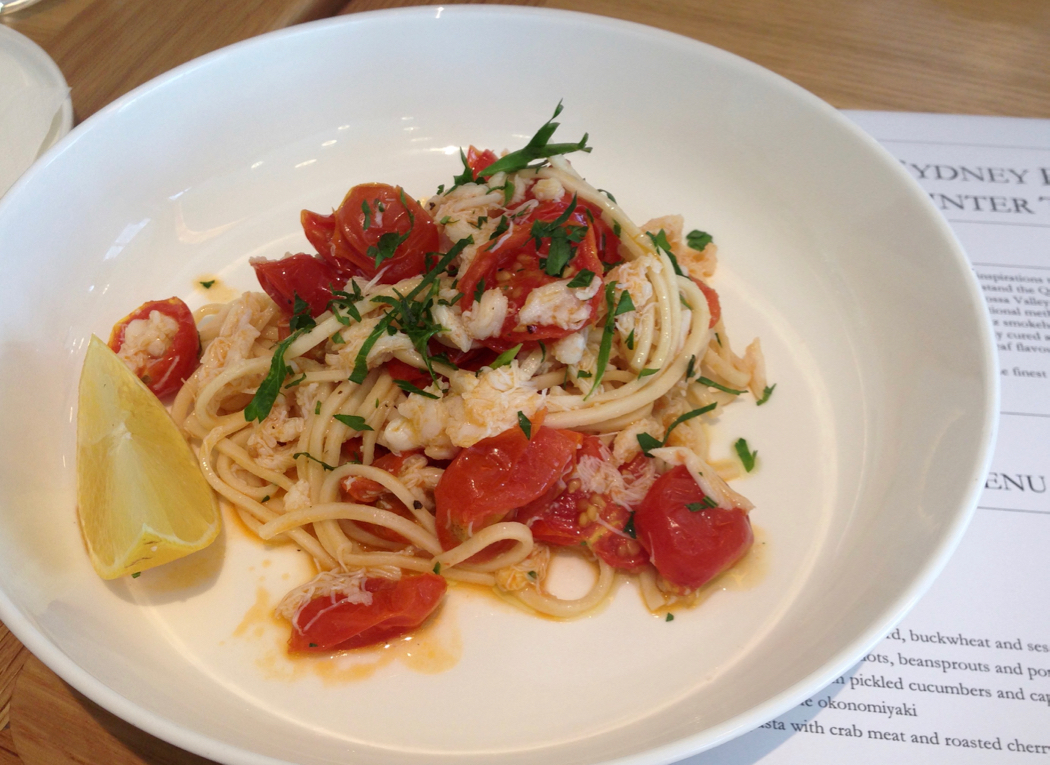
column 872, row 449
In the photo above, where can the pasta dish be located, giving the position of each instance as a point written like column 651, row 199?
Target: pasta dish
column 460, row 389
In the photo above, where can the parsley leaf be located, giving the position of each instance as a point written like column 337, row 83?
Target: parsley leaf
column 698, row 240
column 353, row 422
column 301, row 318
column 538, row 147
column 208, row 284
column 582, row 279
column 766, row 394
column 718, row 386
column 265, row 395
column 506, row 357
column 747, row 457
column 408, row 387
column 646, row 372
column 660, row 242
column 648, row 443
column 525, row 425
column 366, row 223
column 613, row 309
column 309, row 456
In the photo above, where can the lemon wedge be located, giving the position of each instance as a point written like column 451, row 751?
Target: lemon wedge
column 141, row 497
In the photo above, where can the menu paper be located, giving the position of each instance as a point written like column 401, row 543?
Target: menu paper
column 965, row 677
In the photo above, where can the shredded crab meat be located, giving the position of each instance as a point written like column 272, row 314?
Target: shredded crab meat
column 274, row 440
column 147, row 339
column 528, row 572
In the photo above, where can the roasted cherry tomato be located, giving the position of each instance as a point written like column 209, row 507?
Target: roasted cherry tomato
column 569, row 516
column 517, row 255
column 332, row 623
column 373, row 218
column 311, row 278
column 478, row 160
column 688, row 542
column 486, row 482
column 365, row 490
column 166, row 371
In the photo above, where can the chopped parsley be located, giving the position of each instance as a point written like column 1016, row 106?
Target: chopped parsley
column 309, row 456
column 613, row 309
column 413, row 317
column 690, row 368
column 718, row 386
column 582, row 279
column 266, row 394
column 479, row 290
column 766, row 394
column 208, row 284
column 659, row 240
column 136, row 575
column 388, row 243
column 525, row 425
column 669, row 617
column 648, row 443
column 408, row 387
column 646, row 372
column 538, row 147
column 506, row 357
column 629, row 342
column 747, row 457
column 696, row 507
column 698, row 240
column 353, row 422
column 317, row 408
column 437, row 567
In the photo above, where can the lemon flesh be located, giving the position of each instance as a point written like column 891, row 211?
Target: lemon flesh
column 141, row 497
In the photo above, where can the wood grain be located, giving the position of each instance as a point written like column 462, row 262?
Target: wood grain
column 952, row 56
column 112, row 46
column 52, row 724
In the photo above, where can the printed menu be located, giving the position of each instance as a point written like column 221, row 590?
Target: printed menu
column 965, row 677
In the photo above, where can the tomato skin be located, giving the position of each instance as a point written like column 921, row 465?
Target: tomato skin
column 166, row 374
column 555, row 518
column 689, row 548
column 401, row 215
column 478, row 160
column 714, row 305
column 486, row 482
column 397, row 607
column 311, row 278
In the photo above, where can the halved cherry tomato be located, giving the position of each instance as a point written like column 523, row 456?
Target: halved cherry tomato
column 688, row 542
column 605, row 238
column 309, row 277
column 331, row 623
column 350, row 238
column 517, row 255
column 164, row 374
column 393, row 214
column 555, row 519
column 488, row 481
column 478, row 160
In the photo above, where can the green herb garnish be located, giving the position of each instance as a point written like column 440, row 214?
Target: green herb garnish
column 309, row 456
column 538, row 147
column 766, row 394
column 648, row 442
column 582, row 279
column 208, row 284
column 747, row 457
column 659, row 241
column 506, row 357
column 408, row 387
column 525, row 425
column 718, row 386
column 265, row 395
column 698, row 240
column 353, row 422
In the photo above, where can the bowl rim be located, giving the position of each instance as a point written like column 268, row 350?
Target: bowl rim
column 66, row 668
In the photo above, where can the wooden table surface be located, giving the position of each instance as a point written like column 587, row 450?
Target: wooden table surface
column 953, row 56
